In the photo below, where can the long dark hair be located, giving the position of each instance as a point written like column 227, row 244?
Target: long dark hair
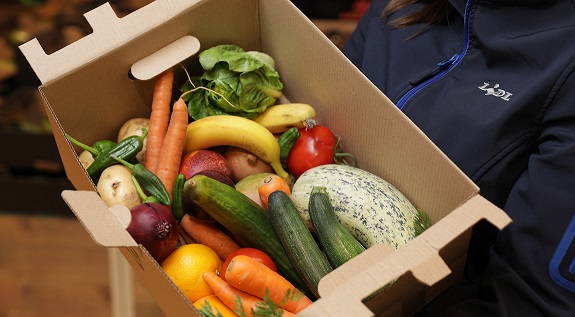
column 432, row 12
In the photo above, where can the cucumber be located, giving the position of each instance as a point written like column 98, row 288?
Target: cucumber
column 301, row 248
column 338, row 243
column 244, row 218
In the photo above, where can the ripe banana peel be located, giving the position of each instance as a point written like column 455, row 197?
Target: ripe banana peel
column 279, row 118
column 218, row 130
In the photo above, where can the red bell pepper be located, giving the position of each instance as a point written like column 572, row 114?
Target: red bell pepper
column 315, row 146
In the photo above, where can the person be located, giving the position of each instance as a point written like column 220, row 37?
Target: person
column 492, row 84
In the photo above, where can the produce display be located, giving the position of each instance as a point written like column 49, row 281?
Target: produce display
column 245, row 202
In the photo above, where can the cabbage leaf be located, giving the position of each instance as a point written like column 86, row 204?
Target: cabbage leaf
column 233, row 82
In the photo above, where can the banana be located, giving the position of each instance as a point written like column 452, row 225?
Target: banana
column 279, row 118
column 236, row 131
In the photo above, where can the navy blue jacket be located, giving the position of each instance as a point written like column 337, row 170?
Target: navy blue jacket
column 495, row 90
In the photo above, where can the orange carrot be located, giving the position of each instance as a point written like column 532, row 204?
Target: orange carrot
column 253, row 277
column 173, row 146
column 270, row 184
column 159, row 118
column 209, row 234
column 229, row 295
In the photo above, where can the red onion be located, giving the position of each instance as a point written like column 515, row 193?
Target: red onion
column 154, row 227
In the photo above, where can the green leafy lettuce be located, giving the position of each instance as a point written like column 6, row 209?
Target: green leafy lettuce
column 233, row 82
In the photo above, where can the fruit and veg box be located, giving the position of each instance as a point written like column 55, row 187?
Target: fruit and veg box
column 97, row 83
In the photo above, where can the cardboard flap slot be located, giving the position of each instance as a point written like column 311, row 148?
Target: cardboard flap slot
column 475, row 209
column 166, row 57
column 428, row 276
column 100, row 222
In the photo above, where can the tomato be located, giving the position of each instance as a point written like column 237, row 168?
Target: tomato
column 314, row 147
column 256, row 254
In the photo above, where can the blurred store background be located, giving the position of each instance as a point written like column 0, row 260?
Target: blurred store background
column 49, row 266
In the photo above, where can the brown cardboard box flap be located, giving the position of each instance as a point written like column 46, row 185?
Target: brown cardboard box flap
column 107, row 226
column 359, row 278
column 101, row 222
column 109, row 32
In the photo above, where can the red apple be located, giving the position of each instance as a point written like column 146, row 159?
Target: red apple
column 204, row 160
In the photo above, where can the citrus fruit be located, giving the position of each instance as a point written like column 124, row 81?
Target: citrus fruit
column 216, row 305
column 186, row 265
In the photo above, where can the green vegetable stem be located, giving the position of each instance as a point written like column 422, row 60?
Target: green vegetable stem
column 125, row 150
column 149, row 182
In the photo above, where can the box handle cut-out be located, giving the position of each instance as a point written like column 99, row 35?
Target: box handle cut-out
column 164, row 58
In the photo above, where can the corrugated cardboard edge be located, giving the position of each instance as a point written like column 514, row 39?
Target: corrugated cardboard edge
column 380, row 266
column 72, row 166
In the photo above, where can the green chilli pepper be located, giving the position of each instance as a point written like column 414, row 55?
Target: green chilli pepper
column 143, row 196
column 125, row 150
column 96, row 149
column 150, row 183
column 177, row 206
column 287, row 141
column 104, row 145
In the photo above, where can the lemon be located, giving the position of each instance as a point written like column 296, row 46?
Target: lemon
column 186, row 265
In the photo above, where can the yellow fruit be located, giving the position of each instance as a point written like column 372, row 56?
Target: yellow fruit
column 279, row 118
column 216, row 305
column 235, row 131
column 186, row 265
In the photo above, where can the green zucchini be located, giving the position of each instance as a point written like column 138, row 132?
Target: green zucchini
column 337, row 242
column 244, row 218
column 298, row 242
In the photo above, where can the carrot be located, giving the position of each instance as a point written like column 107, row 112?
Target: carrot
column 173, row 146
column 236, row 300
column 209, row 234
column 159, row 118
column 254, row 278
column 270, row 184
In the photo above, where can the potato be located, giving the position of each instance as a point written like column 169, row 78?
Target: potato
column 86, row 158
column 134, row 127
column 116, row 187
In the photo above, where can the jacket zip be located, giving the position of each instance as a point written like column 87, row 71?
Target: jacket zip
column 442, row 67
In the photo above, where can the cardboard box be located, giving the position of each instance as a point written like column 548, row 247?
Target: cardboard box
column 89, row 92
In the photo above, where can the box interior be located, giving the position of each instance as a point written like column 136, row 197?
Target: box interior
column 90, row 94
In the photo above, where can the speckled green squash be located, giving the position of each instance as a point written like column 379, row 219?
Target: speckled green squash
column 372, row 209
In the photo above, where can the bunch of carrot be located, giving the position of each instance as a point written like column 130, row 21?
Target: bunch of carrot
column 249, row 285
column 167, row 132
